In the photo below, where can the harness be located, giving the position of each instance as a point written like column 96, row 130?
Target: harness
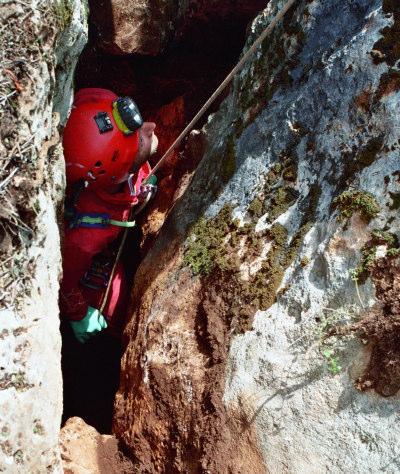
column 98, row 275
column 93, row 220
column 101, row 270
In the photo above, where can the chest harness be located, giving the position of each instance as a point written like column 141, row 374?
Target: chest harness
column 98, row 275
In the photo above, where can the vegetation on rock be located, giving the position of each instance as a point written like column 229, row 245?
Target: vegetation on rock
column 369, row 253
column 359, row 201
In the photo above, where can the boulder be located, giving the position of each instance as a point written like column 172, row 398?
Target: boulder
column 242, row 353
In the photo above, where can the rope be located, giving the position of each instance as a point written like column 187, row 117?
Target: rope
column 121, row 246
column 266, row 32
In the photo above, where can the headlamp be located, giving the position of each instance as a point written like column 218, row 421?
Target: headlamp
column 126, row 115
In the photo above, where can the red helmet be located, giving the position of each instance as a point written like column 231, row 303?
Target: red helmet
column 101, row 138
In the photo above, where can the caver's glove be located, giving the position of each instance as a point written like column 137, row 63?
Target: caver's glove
column 93, row 323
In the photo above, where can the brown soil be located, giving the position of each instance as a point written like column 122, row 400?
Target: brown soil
column 380, row 329
column 177, row 421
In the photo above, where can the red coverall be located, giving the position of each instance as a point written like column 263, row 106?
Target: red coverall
column 82, row 244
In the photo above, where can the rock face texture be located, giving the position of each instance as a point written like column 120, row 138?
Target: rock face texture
column 31, row 193
column 146, row 27
column 85, row 451
column 242, row 350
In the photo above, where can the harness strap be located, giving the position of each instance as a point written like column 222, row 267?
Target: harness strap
column 99, row 221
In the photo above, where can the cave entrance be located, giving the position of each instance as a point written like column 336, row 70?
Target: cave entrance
column 189, row 71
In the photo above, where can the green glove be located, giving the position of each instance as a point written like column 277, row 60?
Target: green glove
column 152, row 180
column 93, row 323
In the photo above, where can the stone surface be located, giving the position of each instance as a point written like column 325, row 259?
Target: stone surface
column 70, row 43
column 147, row 27
column 31, row 196
column 224, row 375
column 85, row 451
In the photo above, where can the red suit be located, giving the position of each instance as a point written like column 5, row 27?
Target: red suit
column 82, row 244
column 100, row 150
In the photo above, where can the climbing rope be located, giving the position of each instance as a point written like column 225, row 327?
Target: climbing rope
column 266, row 32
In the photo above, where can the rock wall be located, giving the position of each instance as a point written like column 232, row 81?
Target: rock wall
column 148, row 27
column 242, row 353
column 39, row 49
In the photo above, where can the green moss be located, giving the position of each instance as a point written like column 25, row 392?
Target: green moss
column 16, row 380
column 228, row 165
column 274, row 199
column 279, row 202
column 361, row 273
column 368, row 253
column 380, row 237
column 38, row 429
column 212, row 252
column 63, row 13
column 393, row 253
column 261, row 291
column 353, row 201
column 203, row 253
column 304, row 261
column 256, row 207
column 290, row 173
column 217, row 248
column 271, row 70
column 272, row 176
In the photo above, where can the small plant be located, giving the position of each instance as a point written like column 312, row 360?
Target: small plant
column 304, row 261
column 393, row 252
column 332, row 360
column 359, row 201
column 368, row 253
column 38, row 429
column 327, row 324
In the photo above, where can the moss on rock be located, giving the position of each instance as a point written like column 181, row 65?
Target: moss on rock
column 271, row 70
column 228, row 165
column 217, row 249
column 63, row 13
column 359, row 201
column 203, row 252
column 369, row 253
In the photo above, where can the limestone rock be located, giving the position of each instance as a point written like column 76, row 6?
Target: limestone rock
column 228, row 366
column 31, row 194
column 146, row 27
column 85, row 451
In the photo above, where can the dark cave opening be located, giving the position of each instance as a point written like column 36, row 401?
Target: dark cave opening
column 191, row 68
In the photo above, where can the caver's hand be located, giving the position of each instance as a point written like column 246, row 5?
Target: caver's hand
column 91, row 325
column 148, row 190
